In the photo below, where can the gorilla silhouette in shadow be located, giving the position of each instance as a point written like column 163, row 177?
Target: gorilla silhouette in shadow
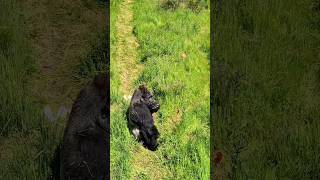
column 84, row 152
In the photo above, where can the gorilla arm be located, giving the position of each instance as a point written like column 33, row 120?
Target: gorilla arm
column 96, row 125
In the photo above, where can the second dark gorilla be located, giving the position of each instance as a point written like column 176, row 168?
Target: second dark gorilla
column 85, row 145
column 140, row 120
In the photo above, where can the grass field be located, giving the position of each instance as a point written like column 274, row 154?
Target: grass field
column 266, row 80
column 173, row 60
column 48, row 51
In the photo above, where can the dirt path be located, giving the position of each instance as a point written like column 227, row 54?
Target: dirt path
column 60, row 32
column 144, row 162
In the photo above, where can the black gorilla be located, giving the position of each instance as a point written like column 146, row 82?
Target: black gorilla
column 85, row 145
column 140, row 120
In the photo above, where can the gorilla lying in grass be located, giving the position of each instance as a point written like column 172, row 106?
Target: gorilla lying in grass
column 86, row 138
column 140, row 120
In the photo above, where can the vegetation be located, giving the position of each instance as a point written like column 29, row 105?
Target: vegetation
column 174, row 50
column 15, row 66
column 120, row 139
column 20, row 118
column 95, row 60
column 266, row 89
column 194, row 5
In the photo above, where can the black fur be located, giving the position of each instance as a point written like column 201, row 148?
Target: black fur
column 85, row 145
column 139, row 117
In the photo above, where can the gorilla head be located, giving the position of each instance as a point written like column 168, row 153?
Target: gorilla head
column 147, row 98
column 140, row 120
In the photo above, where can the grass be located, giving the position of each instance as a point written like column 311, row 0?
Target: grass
column 95, row 60
column 15, row 65
column 21, row 116
column 27, row 140
column 266, row 80
column 120, row 139
column 174, row 50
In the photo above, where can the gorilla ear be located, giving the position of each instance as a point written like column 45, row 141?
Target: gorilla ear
column 143, row 88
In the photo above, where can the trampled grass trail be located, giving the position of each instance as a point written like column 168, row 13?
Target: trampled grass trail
column 144, row 163
column 126, row 48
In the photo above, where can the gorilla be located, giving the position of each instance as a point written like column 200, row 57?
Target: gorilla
column 140, row 120
column 85, row 147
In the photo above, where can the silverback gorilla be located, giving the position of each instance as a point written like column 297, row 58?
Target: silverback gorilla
column 140, row 120
column 85, row 144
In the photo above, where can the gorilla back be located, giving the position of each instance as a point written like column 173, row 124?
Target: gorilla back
column 85, row 143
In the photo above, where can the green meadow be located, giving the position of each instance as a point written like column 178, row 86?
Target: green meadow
column 174, row 45
column 266, row 89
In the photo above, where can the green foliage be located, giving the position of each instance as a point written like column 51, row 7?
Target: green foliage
column 194, row 5
column 266, row 80
column 15, row 66
column 95, row 60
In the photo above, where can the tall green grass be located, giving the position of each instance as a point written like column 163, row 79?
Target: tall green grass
column 174, row 49
column 15, row 66
column 266, row 89
column 20, row 114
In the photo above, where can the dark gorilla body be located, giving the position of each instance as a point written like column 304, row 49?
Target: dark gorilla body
column 140, row 120
column 85, row 145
